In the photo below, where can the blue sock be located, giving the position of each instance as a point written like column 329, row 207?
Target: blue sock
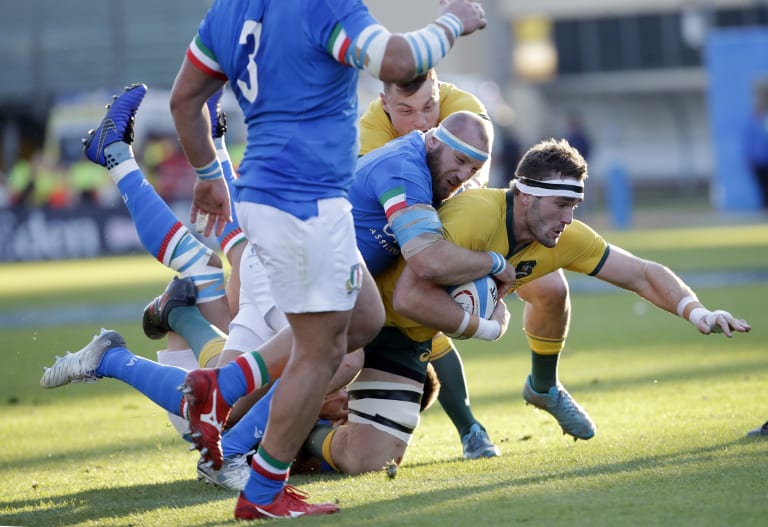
column 155, row 221
column 268, row 477
column 158, row 382
column 248, row 431
column 241, row 376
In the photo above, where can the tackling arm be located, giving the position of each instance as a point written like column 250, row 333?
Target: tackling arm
column 660, row 286
column 430, row 304
column 419, row 232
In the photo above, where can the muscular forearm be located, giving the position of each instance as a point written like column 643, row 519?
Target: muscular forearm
column 448, row 264
column 421, row 305
column 190, row 92
column 193, row 127
column 660, row 286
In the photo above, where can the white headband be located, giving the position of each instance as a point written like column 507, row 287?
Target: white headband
column 564, row 188
column 447, row 138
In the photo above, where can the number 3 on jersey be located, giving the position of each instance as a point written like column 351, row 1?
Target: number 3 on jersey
column 250, row 90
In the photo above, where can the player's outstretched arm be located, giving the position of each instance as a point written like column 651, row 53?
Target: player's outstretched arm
column 659, row 285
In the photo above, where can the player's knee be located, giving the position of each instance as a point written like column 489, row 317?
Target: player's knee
column 548, row 293
column 357, row 455
column 555, row 287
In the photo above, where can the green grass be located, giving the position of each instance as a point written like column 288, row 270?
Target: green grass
column 671, row 406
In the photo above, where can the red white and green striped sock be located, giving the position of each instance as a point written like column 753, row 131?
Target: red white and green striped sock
column 242, row 376
column 268, row 477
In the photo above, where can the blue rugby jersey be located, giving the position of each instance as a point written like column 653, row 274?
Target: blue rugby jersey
column 285, row 62
column 388, row 179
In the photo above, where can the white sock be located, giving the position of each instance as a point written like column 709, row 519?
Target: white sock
column 182, row 358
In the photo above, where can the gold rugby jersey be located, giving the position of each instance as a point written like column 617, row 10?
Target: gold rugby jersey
column 376, row 129
column 481, row 220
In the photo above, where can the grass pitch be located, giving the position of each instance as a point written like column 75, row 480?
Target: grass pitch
column 672, row 408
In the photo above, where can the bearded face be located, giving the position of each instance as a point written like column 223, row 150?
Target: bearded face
column 449, row 171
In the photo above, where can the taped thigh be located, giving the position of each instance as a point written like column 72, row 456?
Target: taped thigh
column 387, row 406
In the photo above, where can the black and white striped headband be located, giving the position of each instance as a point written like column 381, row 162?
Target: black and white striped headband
column 564, row 188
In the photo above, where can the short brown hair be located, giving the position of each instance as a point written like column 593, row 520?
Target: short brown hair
column 412, row 86
column 552, row 158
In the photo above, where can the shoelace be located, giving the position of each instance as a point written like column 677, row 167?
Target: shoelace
column 475, row 441
column 231, row 476
column 566, row 404
column 74, row 363
column 295, row 493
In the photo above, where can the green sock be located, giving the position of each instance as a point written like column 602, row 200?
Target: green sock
column 453, row 394
column 190, row 323
column 543, row 371
column 314, row 442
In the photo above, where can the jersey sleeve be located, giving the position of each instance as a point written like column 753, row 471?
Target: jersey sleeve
column 375, row 128
column 581, row 249
column 200, row 51
column 349, row 23
column 400, row 184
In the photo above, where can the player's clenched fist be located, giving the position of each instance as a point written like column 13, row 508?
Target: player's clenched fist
column 471, row 14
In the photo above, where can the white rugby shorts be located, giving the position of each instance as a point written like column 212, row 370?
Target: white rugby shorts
column 312, row 265
column 258, row 318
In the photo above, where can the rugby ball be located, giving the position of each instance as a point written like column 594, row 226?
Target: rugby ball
column 477, row 297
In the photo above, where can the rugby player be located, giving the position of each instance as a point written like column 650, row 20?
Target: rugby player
column 422, row 104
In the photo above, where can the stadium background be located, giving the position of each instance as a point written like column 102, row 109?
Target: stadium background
column 672, row 406
column 662, row 88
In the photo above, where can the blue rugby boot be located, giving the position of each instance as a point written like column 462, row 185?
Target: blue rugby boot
column 571, row 417
column 477, row 444
column 117, row 126
column 759, row 431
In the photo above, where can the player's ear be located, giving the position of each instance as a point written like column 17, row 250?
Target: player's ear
column 431, row 141
column 525, row 198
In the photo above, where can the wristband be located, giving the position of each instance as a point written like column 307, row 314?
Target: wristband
column 431, row 43
column 210, row 172
column 487, row 330
column 498, row 263
column 684, row 303
column 453, row 23
column 695, row 316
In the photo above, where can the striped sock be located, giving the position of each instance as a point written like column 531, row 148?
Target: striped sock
column 242, row 376
column 268, row 477
column 189, row 256
column 190, row 323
